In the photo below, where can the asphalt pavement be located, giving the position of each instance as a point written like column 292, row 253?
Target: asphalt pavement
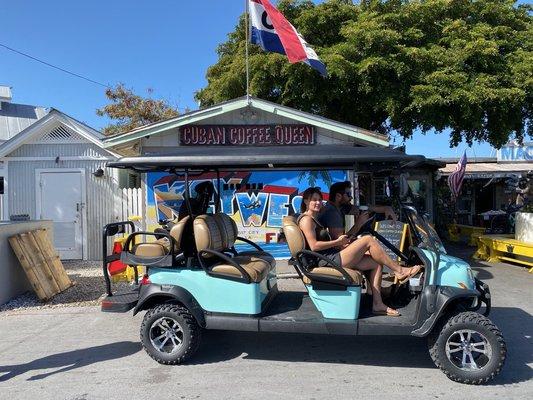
column 83, row 354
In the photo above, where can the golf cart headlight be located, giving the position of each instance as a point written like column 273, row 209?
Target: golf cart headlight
column 471, row 275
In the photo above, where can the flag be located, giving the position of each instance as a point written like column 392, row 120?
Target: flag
column 272, row 31
column 455, row 180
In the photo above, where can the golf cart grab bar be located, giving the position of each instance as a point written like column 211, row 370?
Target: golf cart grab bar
column 247, row 241
column 131, row 238
column 246, row 278
column 111, row 230
column 345, row 276
column 127, row 257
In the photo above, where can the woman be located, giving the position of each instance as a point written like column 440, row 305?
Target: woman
column 363, row 254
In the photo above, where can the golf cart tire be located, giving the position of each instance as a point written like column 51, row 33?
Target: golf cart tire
column 469, row 321
column 191, row 333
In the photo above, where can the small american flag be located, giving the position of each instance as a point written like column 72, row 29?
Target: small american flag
column 455, row 180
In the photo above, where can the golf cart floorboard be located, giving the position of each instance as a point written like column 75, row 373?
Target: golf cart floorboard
column 295, row 312
column 370, row 324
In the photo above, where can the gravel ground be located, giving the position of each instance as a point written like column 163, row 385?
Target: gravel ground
column 88, row 289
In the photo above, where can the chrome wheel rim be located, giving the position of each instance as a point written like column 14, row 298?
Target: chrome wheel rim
column 166, row 335
column 468, row 350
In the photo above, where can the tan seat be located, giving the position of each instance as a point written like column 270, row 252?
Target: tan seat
column 255, row 267
column 230, row 232
column 150, row 250
column 161, row 247
column 208, row 236
column 296, row 242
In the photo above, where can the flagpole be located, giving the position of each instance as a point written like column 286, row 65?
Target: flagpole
column 247, row 19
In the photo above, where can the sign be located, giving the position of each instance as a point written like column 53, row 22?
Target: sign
column 247, row 135
column 257, row 201
column 394, row 232
column 516, row 153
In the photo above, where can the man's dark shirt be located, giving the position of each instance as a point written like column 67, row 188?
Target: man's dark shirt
column 331, row 217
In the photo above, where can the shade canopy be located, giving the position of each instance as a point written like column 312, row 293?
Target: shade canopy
column 272, row 157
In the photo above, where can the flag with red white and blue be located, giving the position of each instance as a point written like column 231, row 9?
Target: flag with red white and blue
column 272, row 31
column 455, row 180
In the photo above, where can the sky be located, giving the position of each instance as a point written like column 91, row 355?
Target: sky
column 165, row 45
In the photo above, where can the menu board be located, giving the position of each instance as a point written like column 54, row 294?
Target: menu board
column 394, row 232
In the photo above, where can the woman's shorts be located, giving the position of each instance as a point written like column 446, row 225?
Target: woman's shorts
column 333, row 256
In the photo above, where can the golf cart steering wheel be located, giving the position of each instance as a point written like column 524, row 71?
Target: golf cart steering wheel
column 366, row 227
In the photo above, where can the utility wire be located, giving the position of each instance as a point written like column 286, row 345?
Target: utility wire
column 54, row 66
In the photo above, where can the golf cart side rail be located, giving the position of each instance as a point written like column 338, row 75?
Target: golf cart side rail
column 245, row 275
column 166, row 261
column 344, row 279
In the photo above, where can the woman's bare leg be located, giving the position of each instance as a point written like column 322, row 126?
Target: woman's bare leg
column 376, row 272
column 353, row 254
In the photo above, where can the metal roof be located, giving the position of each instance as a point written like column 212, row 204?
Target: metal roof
column 51, row 121
column 485, row 169
column 268, row 157
column 363, row 135
column 14, row 118
column 471, row 160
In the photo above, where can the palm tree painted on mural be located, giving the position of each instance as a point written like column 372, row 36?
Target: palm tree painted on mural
column 313, row 176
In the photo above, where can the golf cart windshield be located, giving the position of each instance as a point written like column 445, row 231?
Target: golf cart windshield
column 425, row 232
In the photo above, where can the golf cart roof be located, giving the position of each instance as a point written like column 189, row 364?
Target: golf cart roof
column 269, row 157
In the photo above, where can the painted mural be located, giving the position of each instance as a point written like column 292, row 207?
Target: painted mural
column 257, row 201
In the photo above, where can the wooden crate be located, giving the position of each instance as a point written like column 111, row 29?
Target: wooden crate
column 41, row 263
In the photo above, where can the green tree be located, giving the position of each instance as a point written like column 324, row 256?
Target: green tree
column 397, row 65
column 131, row 111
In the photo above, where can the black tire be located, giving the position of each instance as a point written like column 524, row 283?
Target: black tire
column 483, row 329
column 184, row 323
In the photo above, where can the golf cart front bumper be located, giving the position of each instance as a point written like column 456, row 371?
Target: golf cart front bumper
column 438, row 300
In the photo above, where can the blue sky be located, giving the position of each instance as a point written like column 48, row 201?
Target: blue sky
column 165, row 45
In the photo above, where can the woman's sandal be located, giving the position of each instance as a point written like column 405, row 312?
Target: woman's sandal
column 389, row 312
column 414, row 270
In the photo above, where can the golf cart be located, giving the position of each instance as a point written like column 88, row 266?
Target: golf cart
column 211, row 285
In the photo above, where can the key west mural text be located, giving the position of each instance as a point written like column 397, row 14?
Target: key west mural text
column 257, row 201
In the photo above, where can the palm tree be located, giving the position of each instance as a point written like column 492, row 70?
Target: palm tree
column 314, row 176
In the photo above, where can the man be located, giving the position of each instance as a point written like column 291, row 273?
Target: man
column 340, row 204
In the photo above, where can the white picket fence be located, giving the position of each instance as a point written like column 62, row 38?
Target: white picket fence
column 132, row 203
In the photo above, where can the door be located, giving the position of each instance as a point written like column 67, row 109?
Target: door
column 61, row 198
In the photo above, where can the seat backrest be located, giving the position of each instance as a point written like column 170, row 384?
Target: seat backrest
column 228, row 229
column 293, row 234
column 177, row 232
column 207, row 233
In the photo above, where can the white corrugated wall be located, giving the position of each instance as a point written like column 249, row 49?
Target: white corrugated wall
column 103, row 194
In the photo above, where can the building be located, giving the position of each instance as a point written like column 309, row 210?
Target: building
column 490, row 183
column 256, row 200
column 53, row 167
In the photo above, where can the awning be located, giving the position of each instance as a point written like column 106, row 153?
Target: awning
column 269, row 157
column 489, row 170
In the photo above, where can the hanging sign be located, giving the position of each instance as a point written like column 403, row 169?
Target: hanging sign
column 247, row 135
